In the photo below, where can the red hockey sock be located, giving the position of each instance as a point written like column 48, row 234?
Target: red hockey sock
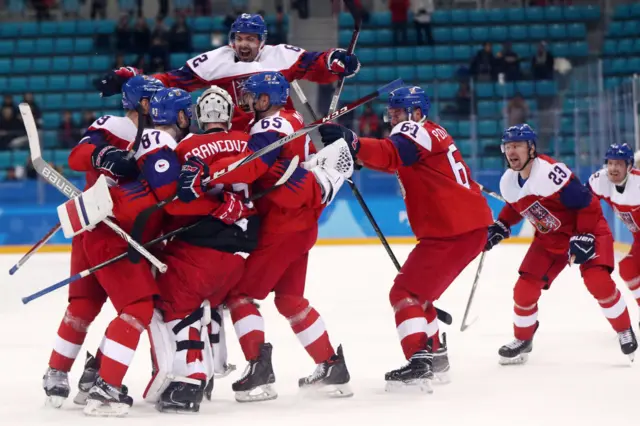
column 615, row 309
column 413, row 325
column 121, row 340
column 525, row 320
column 249, row 326
column 72, row 331
column 312, row 334
column 600, row 284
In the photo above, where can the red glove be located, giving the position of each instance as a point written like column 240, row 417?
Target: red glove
column 232, row 209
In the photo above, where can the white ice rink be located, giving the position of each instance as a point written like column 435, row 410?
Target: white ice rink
column 576, row 374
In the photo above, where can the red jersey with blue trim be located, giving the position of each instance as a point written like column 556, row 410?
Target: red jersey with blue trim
column 220, row 67
column 554, row 201
column 295, row 206
column 106, row 130
column 441, row 198
column 624, row 200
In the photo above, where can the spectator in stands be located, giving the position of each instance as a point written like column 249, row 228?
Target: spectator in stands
column 509, row 63
column 484, row 65
column 517, row 110
column 463, row 100
column 123, row 34
column 163, row 8
column 159, row 55
column 68, row 134
column 302, row 6
column 369, row 123
column 542, row 63
column 160, row 30
column 141, row 37
column 88, row 117
column 99, row 7
column 399, row 17
column 42, row 8
column 279, row 33
column 422, row 10
column 10, row 127
column 7, row 101
column 37, row 113
column 180, row 35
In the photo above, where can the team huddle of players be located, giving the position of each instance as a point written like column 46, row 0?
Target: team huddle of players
column 243, row 248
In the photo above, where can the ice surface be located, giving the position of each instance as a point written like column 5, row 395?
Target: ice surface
column 576, row 374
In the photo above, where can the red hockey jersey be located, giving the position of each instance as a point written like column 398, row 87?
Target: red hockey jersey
column 625, row 204
column 554, row 201
column 441, row 198
column 221, row 68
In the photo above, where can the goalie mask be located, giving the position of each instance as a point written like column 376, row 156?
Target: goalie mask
column 214, row 106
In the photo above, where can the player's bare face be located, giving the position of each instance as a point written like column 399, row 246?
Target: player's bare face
column 617, row 171
column 517, row 154
column 397, row 115
column 246, row 46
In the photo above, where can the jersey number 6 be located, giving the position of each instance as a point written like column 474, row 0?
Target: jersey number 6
column 458, row 168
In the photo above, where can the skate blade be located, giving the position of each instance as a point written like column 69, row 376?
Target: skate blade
column 230, row 368
column 95, row 408
column 411, row 386
column 172, row 409
column 442, row 378
column 517, row 360
column 631, row 356
column 327, row 391
column 264, row 393
column 81, row 398
column 55, row 401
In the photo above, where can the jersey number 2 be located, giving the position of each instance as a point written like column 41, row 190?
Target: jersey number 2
column 458, row 168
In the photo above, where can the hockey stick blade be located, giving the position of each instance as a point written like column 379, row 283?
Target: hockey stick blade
column 56, row 179
column 34, row 249
column 491, row 193
column 283, row 179
column 464, row 325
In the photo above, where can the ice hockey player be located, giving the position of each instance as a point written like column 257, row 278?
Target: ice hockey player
column 203, row 263
column 570, row 228
column 619, row 185
column 288, row 231
column 101, row 151
column 451, row 230
column 228, row 66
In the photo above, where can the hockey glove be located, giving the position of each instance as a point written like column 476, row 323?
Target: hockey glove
column 333, row 132
column 111, row 83
column 193, row 180
column 115, row 162
column 497, row 232
column 582, row 248
column 342, row 63
column 232, row 208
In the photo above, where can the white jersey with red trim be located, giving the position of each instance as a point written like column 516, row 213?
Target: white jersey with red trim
column 625, row 203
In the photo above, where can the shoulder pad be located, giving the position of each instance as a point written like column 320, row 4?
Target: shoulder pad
column 274, row 123
column 154, row 140
column 415, row 132
column 120, row 127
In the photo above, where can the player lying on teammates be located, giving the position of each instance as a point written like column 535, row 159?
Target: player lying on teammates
column 570, row 228
column 246, row 54
column 619, row 185
column 451, row 230
column 288, row 232
column 102, row 151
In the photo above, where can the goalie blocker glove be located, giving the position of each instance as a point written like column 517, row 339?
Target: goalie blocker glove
column 497, row 232
column 583, row 247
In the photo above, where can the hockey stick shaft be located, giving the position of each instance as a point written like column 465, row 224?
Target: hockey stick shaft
column 45, row 170
column 34, row 249
column 442, row 315
column 352, row 45
column 283, row 179
column 464, row 325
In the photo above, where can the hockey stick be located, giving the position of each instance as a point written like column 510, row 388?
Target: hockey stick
column 34, row 249
column 144, row 216
column 464, row 324
column 443, row 316
column 491, row 193
column 357, row 19
column 283, row 179
column 56, row 179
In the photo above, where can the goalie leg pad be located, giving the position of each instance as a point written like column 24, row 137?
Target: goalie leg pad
column 85, row 211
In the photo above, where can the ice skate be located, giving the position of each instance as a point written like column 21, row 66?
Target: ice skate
column 331, row 378
column 105, row 400
column 515, row 352
column 255, row 383
column 628, row 343
column 418, row 374
column 56, row 386
column 180, row 397
column 441, row 365
column 208, row 390
column 87, row 380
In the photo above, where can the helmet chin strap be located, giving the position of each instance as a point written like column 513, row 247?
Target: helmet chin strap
column 531, row 157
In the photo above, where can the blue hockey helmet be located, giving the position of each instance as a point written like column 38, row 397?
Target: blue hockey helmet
column 167, row 103
column 249, row 24
column 270, row 83
column 138, row 88
column 619, row 152
column 410, row 98
column 519, row 133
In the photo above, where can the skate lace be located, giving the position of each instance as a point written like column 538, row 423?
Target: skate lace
column 246, row 372
column 57, row 377
column 515, row 344
column 625, row 337
column 318, row 373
